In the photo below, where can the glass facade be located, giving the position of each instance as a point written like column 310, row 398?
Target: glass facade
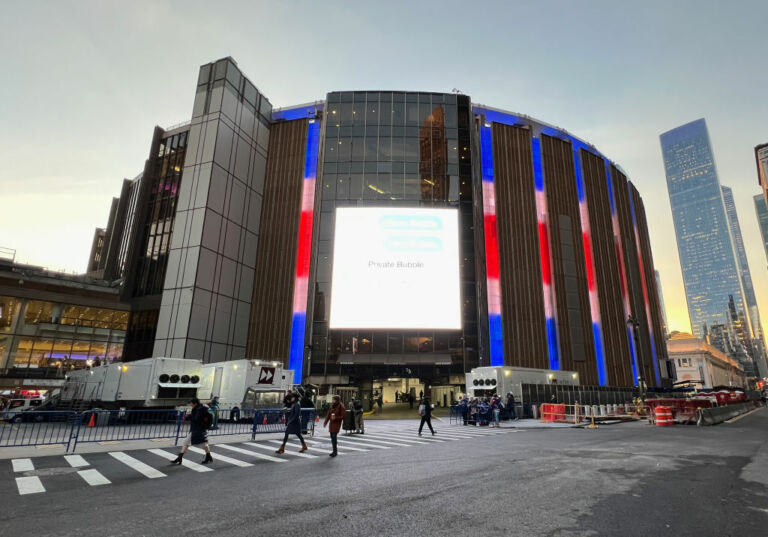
column 707, row 255
column 762, row 220
column 394, row 149
column 45, row 339
column 741, row 257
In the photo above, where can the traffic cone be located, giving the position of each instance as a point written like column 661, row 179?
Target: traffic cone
column 317, row 419
column 92, row 421
column 264, row 421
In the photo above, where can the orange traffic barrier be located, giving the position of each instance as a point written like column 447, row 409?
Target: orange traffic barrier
column 92, row 421
column 664, row 416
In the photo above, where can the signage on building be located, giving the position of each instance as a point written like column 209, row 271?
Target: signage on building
column 267, row 375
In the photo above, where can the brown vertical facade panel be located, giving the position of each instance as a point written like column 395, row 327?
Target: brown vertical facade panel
column 576, row 343
column 522, row 310
column 650, row 283
column 269, row 332
column 607, row 275
column 634, row 283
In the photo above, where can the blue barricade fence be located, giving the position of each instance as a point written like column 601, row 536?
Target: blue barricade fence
column 69, row 428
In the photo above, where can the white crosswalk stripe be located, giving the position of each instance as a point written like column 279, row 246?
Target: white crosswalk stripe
column 383, row 436
column 223, row 458
column 29, row 485
column 184, row 462
column 22, row 465
column 271, row 448
column 425, row 439
column 250, row 453
column 93, row 477
column 76, row 461
column 385, row 442
column 309, row 447
column 347, row 440
column 137, row 465
column 328, row 444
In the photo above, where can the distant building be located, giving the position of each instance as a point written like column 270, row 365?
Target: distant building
column 95, row 258
column 761, row 158
column 702, row 227
column 701, row 364
column 762, row 220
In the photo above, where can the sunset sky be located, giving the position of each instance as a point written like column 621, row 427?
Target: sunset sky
column 84, row 83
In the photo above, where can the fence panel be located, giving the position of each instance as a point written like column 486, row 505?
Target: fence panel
column 117, row 425
column 36, row 428
column 272, row 420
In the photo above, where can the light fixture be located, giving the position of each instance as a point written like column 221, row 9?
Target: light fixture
column 507, row 373
column 124, row 368
column 234, row 366
column 551, row 376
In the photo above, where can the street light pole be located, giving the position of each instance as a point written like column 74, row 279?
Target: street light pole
column 635, row 324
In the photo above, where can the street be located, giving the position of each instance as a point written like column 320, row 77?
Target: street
column 624, row 479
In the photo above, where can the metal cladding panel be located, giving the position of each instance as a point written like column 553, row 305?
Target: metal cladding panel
column 569, row 273
column 522, row 308
column 269, row 333
column 607, row 271
column 633, row 275
column 651, row 295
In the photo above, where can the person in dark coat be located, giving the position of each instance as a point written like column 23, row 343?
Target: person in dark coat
column 511, row 406
column 426, row 415
column 197, row 431
column 293, row 424
column 335, row 417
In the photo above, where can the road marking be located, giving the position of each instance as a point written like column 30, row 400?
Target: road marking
column 404, row 436
column 323, row 443
column 184, row 462
column 389, row 437
column 293, row 453
column 385, row 442
column 737, row 418
column 22, row 465
column 230, row 460
column 93, row 477
column 137, row 465
column 345, row 441
column 76, row 461
column 296, row 444
column 250, row 452
column 29, row 485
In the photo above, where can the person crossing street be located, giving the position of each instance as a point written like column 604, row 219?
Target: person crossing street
column 335, row 417
column 200, row 420
column 425, row 409
column 292, row 423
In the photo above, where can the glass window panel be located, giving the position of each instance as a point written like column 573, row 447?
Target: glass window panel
column 9, row 310
column 442, row 340
column 345, row 112
column 342, row 188
column 344, row 149
column 358, row 147
column 355, row 187
column 379, row 342
column 395, row 343
column 412, row 113
column 364, row 342
column 398, row 149
column 425, row 343
column 38, row 311
column 358, row 113
column 371, row 148
column 331, row 149
column 372, row 111
column 385, row 148
column 20, row 352
column 398, row 113
column 411, row 344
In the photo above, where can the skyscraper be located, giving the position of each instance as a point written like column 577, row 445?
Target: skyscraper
column 707, row 255
column 741, row 258
column 762, row 220
column 761, row 158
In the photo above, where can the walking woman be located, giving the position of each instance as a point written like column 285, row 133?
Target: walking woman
column 335, row 416
column 293, row 423
column 200, row 421
column 425, row 409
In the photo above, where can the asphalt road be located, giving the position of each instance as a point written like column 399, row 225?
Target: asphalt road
column 619, row 480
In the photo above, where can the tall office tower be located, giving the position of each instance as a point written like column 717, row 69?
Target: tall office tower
column 741, row 258
column 661, row 303
column 762, row 220
column 707, row 256
column 761, row 159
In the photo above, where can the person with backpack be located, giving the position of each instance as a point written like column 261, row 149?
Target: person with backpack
column 335, row 417
column 425, row 410
column 200, row 420
column 293, row 424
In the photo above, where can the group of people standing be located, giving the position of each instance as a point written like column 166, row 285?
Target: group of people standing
column 482, row 410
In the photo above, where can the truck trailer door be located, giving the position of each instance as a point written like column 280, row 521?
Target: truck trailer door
column 217, row 376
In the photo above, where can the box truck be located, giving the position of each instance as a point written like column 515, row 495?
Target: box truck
column 248, row 384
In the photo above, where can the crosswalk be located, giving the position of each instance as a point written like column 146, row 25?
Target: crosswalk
column 46, row 474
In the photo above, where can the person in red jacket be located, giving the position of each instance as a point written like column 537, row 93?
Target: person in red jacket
column 335, row 416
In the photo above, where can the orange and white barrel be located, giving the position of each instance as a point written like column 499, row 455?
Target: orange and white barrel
column 664, row 416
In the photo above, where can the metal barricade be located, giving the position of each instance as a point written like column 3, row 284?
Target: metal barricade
column 229, row 422
column 272, row 420
column 40, row 428
column 118, row 425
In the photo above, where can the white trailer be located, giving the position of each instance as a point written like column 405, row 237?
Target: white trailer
column 500, row 380
column 245, row 383
column 151, row 382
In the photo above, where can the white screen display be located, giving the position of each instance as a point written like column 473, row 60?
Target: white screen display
column 396, row 268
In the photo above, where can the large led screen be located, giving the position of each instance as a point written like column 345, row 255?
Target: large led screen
column 396, row 268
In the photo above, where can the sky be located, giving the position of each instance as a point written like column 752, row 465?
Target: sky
column 84, row 83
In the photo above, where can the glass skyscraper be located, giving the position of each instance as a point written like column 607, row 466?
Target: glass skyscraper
column 762, row 220
column 702, row 227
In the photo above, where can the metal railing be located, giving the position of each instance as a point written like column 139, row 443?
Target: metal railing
column 69, row 428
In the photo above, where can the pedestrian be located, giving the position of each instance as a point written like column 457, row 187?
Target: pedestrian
column 234, row 414
column 380, row 403
column 200, row 420
column 511, row 406
column 293, row 424
column 287, row 398
column 214, row 406
column 553, row 399
column 425, row 410
column 335, row 416
column 421, row 395
column 496, row 406
column 397, row 396
column 464, row 409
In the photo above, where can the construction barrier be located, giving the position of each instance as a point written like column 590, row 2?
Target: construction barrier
column 663, row 416
column 713, row 416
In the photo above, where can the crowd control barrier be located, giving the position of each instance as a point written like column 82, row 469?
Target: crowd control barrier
column 68, row 428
